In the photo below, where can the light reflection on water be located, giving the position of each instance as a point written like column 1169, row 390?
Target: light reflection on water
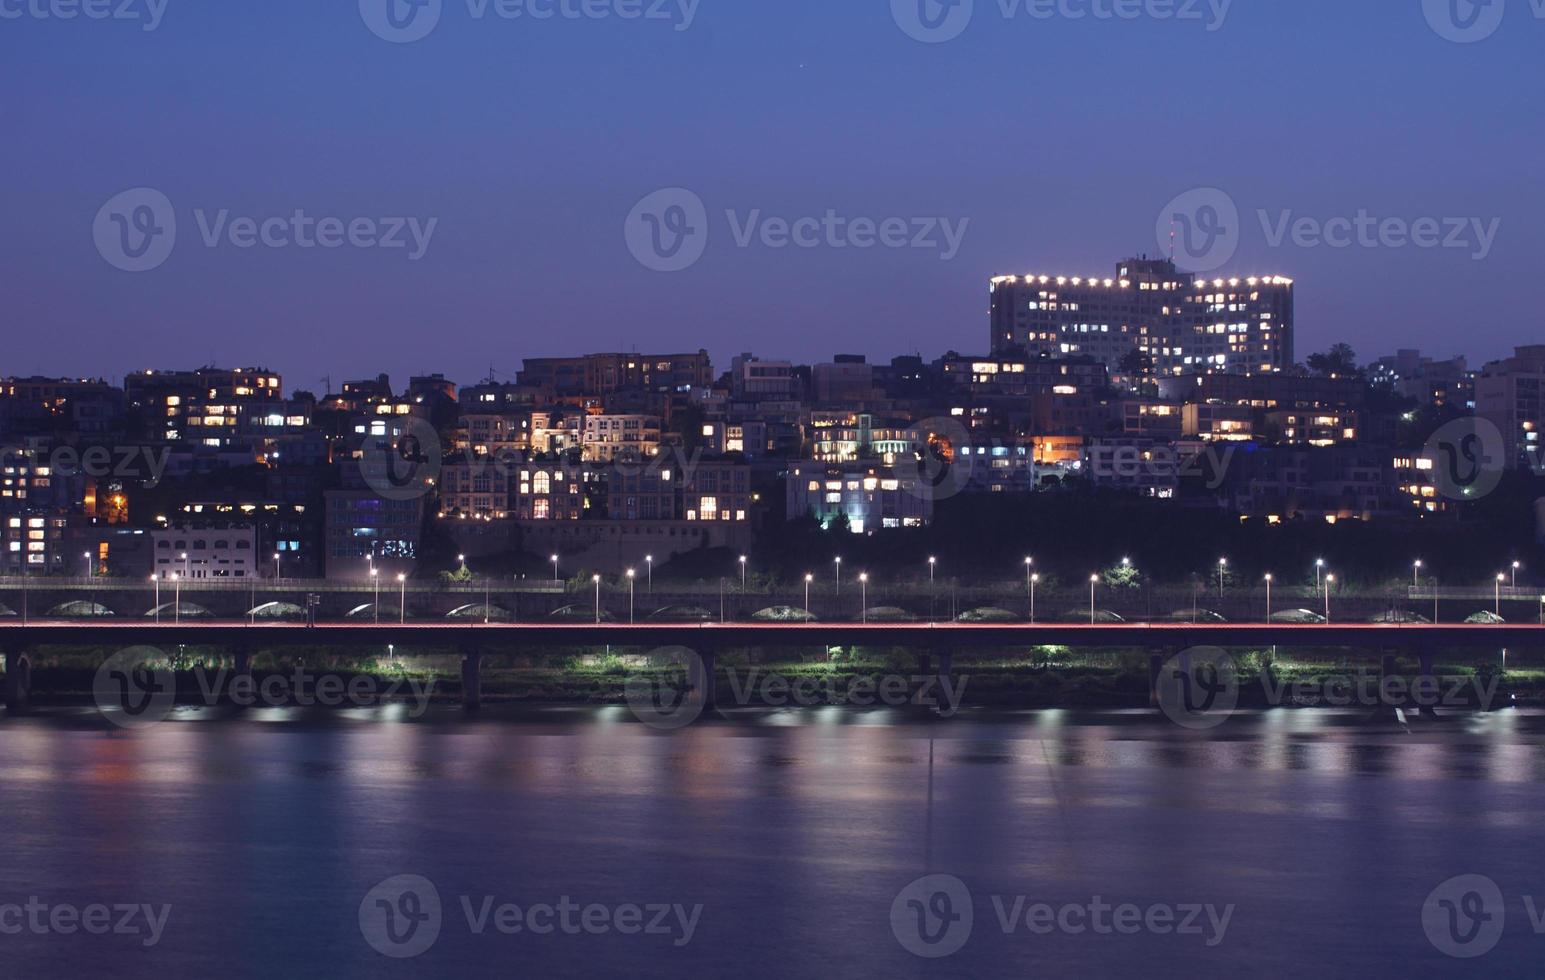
column 264, row 829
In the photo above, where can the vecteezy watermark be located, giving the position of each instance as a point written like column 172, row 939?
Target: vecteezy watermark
column 403, row 464
column 1128, row 463
column 941, row 464
column 145, row 922
column 1202, row 229
column 1466, row 915
column 1470, row 21
column 403, row 916
column 669, row 229
column 1468, row 457
column 136, row 231
column 406, row 21
column 667, row 701
column 146, row 13
column 937, row 21
column 1200, row 688
column 935, row 915
column 144, row 464
column 136, row 688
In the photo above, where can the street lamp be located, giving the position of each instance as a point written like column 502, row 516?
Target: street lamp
column 402, row 608
column 1222, row 566
column 1500, row 579
column 157, row 580
column 176, row 598
column 277, row 575
column 630, row 596
column 1029, row 567
column 1319, row 563
column 932, row 564
column 554, row 560
column 1093, row 581
column 838, row 562
column 649, row 569
column 1033, row 580
column 1516, row 566
column 742, row 573
column 184, row 564
column 375, row 581
column 1328, row 580
column 1268, row 597
column 461, row 561
column 863, row 583
column 597, row 580
column 1416, row 569
column 811, row 578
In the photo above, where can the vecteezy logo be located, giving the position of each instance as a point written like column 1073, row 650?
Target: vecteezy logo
column 401, row 916
column 662, row 703
column 136, row 230
column 1202, row 229
column 932, row 21
column 1464, row 21
column 668, row 230
column 134, row 688
column 1198, row 688
column 940, row 465
column 1468, row 456
column 400, row 21
column 404, row 466
column 932, row 916
column 1464, row 916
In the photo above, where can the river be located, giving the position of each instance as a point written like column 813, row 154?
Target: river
column 815, row 842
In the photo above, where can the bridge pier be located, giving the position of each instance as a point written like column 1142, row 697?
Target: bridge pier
column 471, row 681
column 1426, row 690
column 18, row 681
column 701, row 676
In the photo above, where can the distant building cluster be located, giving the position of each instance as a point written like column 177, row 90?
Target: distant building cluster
column 1152, row 381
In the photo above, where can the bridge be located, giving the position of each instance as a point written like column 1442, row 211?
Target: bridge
column 934, row 644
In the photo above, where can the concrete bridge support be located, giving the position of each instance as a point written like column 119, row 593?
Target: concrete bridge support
column 472, row 680
column 18, row 680
column 702, row 677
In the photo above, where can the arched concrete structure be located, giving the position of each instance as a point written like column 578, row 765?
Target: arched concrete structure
column 476, row 611
column 277, row 610
column 189, row 610
column 80, row 609
column 782, row 614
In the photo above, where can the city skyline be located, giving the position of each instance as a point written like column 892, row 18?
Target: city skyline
column 769, row 117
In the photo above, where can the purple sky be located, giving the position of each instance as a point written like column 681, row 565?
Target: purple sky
column 530, row 141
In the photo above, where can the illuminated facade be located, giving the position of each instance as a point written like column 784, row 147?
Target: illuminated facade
column 869, row 497
column 207, row 406
column 1185, row 324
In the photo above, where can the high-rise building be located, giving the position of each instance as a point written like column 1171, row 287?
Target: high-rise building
column 205, row 406
column 1511, row 395
column 1184, row 323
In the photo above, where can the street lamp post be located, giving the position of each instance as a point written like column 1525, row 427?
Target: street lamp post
column 1033, row 580
column 1516, row 567
column 630, row 596
column 1500, row 579
column 277, row 571
column 838, row 562
column 554, row 560
column 1416, row 570
column 1268, row 597
column 375, row 582
column 1093, row 581
column 402, row 601
column 1319, row 563
column 1328, row 580
column 1029, row 569
column 157, row 580
column 932, row 564
column 184, row 564
column 742, row 573
column 176, row 598
column 596, row 579
column 863, row 584
column 1222, row 566
column 649, row 571
column 811, row 578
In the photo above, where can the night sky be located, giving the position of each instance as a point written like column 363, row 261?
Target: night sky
column 530, row 141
